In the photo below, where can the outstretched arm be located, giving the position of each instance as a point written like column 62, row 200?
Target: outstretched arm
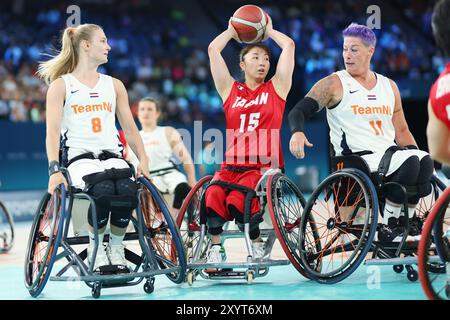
column 325, row 93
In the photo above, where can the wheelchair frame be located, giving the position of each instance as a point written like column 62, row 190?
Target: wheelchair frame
column 151, row 264
column 6, row 242
column 253, row 268
column 381, row 255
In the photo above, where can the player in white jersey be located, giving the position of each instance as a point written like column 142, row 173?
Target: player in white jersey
column 161, row 144
column 365, row 115
column 81, row 135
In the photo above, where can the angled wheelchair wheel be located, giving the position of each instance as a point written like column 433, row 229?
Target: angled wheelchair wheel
column 286, row 205
column 6, row 229
column 436, row 231
column 340, row 219
column 44, row 240
column 426, row 204
column 188, row 219
column 162, row 232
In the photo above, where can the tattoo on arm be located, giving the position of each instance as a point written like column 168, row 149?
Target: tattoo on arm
column 321, row 92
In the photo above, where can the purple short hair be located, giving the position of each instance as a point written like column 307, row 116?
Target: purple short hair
column 366, row 34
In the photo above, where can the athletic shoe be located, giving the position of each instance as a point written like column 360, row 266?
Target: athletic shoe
column 415, row 227
column 101, row 258
column 116, row 254
column 259, row 249
column 216, row 254
column 386, row 235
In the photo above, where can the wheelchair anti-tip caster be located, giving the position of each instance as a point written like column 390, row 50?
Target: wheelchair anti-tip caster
column 412, row 275
column 190, row 278
column 250, row 277
column 96, row 290
column 398, row 268
column 149, row 285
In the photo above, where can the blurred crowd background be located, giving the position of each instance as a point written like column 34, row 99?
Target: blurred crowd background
column 159, row 48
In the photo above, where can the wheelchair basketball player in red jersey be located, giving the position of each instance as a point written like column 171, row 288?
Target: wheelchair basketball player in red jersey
column 254, row 113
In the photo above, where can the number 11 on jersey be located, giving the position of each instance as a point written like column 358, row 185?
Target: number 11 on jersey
column 376, row 126
column 253, row 122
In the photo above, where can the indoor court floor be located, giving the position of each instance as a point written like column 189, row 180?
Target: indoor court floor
column 281, row 283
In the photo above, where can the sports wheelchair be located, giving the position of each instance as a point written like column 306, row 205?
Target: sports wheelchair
column 160, row 250
column 6, row 229
column 337, row 228
column 436, row 231
column 275, row 192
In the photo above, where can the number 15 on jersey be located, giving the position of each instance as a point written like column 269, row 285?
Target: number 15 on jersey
column 252, row 124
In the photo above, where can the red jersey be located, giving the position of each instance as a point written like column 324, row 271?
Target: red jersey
column 254, row 119
column 440, row 97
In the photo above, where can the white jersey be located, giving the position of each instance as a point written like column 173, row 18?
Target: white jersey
column 157, row 148
column 363, row 119
column 88, row 123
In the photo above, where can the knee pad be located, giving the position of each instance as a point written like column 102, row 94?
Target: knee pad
column 120, row 217
column 426, row 170
column 102, row 217
column 423, row 189
column 180, row 193
column 406, row 175
column 214, row 222
column 126, row 187
column 126, row 195
column 124, row 202
column 99, row 191
column 103, row 188
column 425, row 174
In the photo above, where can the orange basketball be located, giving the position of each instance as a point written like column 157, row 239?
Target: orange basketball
column 250, row 22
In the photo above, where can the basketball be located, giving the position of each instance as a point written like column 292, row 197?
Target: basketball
column 250, row 22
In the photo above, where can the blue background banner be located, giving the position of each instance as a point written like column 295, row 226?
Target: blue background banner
column 23, row 161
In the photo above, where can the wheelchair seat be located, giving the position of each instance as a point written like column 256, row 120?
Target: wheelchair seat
column 350, row 161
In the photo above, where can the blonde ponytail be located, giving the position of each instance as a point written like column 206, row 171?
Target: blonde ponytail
column 67, row 59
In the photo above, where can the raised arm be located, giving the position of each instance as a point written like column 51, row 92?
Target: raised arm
column 282, row 80
column 129, row 127
column 219, row 70
column 54, row 113
column 180, row 151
